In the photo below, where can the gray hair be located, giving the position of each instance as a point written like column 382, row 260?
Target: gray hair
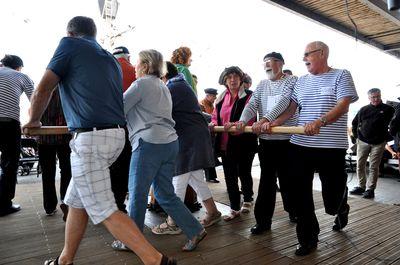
column 374, row 91
column 322, row 46
column 154, row 60
column 82, row 26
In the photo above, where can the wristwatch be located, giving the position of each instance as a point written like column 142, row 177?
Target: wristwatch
column 323, row 120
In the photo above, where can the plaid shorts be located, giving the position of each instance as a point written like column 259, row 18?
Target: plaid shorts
column 90, row 186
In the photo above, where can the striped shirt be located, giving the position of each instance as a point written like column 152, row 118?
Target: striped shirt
column 270, row 99
column 316, row 95
column 12, row 85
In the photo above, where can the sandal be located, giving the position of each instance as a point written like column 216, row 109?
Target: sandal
column 119, row 246
column 168, row 261
column 209, row 220
column 232, row 215
column 55, row 262
column 193, row 243
column 166, row 229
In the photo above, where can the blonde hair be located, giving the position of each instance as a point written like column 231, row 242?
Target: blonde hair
column 154, row 61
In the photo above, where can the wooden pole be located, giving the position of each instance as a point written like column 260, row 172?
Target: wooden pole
column 53, row 130
column 277, row 129
column 46, row 130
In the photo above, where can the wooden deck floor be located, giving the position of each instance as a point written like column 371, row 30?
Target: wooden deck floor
column 372, row 237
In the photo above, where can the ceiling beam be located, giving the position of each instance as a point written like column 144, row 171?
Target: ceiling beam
column 294, row 7
column 392, row 47
column 381, row 7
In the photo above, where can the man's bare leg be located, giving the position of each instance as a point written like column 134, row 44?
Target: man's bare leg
column 124, row 229
column 74, row 230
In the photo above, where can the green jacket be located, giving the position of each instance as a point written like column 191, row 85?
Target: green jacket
column 188, row 76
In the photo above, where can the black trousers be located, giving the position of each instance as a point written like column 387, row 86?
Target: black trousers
column 10, row 148
column 47, row 160
column 235, row 167
column 273, row 155
column 119, row 174
column 330, row 163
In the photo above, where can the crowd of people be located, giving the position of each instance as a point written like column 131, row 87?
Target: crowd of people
column 152, row 132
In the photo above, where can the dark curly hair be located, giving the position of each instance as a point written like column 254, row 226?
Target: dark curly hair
column 181, row 55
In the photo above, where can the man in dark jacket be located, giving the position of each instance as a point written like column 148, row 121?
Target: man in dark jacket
column 370, row 128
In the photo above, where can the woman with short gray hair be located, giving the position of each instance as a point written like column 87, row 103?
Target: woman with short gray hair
column 148, row 110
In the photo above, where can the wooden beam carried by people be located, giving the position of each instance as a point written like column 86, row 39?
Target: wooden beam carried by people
column 277, row 129
column 46, row 130
column 53, row 130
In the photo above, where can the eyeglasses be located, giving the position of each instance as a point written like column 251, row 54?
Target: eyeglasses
column 306, row 54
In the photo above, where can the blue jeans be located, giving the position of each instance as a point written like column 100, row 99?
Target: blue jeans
column 155, row 164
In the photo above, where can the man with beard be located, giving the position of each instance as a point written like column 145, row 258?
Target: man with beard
column 270, row 99
column 323, row 97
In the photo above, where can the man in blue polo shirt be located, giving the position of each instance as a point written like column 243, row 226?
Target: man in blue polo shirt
column 91, row 94
column 323, row 97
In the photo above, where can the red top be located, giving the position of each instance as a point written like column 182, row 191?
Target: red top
column 128, row 73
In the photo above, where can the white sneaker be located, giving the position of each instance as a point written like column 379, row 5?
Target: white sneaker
column 246, row 207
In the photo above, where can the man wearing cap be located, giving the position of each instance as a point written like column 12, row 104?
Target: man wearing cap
column 322, row 98
column 12, row 84
column 128, row 70
column 370, row 128
column 270, row 99
column 207, row 104
column 119, row 170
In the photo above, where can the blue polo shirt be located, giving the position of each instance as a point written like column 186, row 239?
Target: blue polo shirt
column 90, row 83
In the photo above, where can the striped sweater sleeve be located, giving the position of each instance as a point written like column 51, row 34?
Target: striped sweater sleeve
column 284, row 101
column 250, row 111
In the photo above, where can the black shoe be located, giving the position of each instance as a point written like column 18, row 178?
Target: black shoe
column 258, row 229
column 12, row 209
column 51, row 212
column 357, row 191
column 213, row 180
column 341, row 219
column 369, row 194
column 292, row 218
column 64, row 208
column 303, row 250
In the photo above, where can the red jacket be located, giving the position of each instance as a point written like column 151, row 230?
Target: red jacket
column 128, row 73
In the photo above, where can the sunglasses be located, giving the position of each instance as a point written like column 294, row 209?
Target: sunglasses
column 306, row 54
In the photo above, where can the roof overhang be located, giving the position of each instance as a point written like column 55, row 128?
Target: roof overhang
column 376, row 25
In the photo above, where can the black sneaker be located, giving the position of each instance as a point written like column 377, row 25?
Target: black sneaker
column 258, row 229
column 357, row 191
column 303, row 250
column 369, row 194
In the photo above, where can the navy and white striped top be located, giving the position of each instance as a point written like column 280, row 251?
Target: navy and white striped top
column 270, row 99
column 316, row 95
column 12, row 85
